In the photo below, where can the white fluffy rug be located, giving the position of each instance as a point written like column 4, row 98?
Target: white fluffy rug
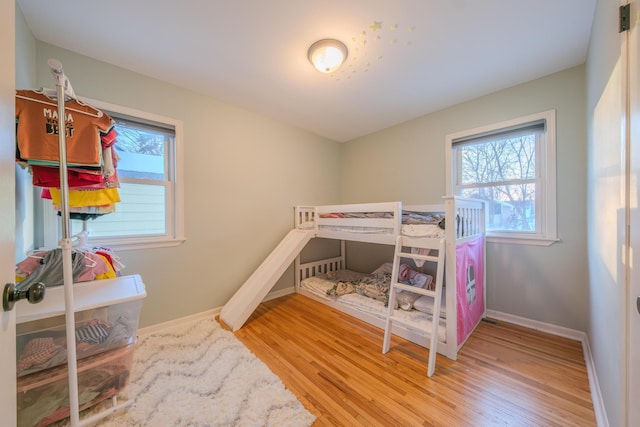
column 199, row 374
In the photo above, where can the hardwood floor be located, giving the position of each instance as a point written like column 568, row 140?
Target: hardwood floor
column 505, row 375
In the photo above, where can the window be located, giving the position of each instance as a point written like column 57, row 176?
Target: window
column 149, row 213
column 510, row 165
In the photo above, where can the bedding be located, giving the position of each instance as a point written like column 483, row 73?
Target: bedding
column 414, row 224
column 370, row 292
column 408, row 217
column 422, row 230
column 425, row 305
column 377, row 284
column 320, row 287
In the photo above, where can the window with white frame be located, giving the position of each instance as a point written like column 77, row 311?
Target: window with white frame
column 149, row 213
column 511, row 165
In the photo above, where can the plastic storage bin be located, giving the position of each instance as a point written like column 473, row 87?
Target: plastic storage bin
column 106, row 317
column 43, row 397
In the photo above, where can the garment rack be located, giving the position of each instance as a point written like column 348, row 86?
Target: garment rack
column 64, row 89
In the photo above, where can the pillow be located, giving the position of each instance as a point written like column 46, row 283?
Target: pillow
column 405, row 300
column 411, row 277
column 384, row 268
column 425, row 305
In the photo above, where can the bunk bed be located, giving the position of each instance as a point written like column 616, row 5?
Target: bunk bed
column 457, row 225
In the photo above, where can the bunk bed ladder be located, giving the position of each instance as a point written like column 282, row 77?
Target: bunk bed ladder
column 403, row 242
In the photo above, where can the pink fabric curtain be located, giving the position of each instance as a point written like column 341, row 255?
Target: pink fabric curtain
column 470, row 285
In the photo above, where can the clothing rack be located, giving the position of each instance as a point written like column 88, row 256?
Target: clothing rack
column 63, row 90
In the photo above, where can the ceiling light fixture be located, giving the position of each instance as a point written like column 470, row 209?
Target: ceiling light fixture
column 327, row 55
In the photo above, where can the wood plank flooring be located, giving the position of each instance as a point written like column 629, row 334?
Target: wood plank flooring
column 505, row 375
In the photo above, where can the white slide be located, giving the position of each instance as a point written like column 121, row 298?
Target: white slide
column 238, row 309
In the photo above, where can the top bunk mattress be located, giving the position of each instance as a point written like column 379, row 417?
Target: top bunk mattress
column 413, row 224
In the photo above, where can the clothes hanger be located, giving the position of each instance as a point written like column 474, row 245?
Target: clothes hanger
column 43, row 91
column 40, row 254
column 62, row 80
column 81, row 240
column 36, row 253
column 88, row 262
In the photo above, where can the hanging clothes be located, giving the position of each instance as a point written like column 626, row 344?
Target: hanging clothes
column 88, row 263
column 90, row 136
column 49, row 269
column 39, row 125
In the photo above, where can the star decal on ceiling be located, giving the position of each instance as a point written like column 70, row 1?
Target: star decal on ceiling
column 369, row 45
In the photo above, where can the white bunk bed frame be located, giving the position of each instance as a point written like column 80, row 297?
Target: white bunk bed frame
column 471, row 225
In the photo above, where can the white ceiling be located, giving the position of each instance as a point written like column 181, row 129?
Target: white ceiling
column 426, row 55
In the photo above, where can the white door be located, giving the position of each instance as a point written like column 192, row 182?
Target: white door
column 7, row 209
column 633, row 330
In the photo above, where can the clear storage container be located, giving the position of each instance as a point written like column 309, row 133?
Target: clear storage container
column 43, row 397
column 107, row 313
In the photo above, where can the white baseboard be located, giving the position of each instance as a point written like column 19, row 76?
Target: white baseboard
column 594, row 385
column 159, row 327
column 279, row 293
column 538, row 326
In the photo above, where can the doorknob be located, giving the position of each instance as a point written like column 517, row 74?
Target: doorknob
column 34, row 294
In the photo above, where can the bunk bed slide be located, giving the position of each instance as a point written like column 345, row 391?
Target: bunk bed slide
column 238, row 309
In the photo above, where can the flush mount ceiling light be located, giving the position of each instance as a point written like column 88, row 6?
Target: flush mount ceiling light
column 327, row 55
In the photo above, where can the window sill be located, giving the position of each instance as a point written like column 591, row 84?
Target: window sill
column 138, row 244
column 519, row 240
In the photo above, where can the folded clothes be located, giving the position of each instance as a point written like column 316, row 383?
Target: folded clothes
column 37, row 351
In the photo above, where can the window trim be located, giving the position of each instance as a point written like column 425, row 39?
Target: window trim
column 174, row 217
column 547, row 234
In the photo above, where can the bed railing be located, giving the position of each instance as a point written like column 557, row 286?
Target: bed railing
column 336, row 221
column 468, row 214
column 315, row 268
column 324, row 266
column 464, row 219
column 304, row 217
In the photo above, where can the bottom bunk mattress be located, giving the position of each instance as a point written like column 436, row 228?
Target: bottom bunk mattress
column 366, row 295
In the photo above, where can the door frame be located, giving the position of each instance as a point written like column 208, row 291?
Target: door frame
column 7, row 208
column 631, row 48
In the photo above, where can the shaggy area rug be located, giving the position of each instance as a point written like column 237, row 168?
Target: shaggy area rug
column 199, row 374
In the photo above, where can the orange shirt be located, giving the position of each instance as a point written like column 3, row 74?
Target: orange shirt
column 38, row 126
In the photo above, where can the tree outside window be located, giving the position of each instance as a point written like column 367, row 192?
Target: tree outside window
column 511, row 166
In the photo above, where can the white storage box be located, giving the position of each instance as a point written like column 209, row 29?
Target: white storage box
column 106, row 317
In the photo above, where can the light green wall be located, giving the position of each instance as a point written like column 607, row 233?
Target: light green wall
column 606, row 317
column 407, row 163
column 243, row 175
column 239, row 163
